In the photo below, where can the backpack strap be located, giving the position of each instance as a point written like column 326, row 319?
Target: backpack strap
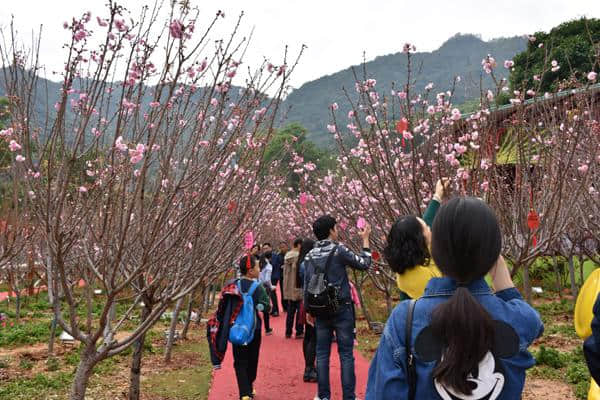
column 411, row 368
column 253, row 288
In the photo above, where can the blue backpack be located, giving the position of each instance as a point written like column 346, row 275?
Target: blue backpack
column 242, row 330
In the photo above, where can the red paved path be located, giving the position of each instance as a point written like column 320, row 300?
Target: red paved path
column 280, row 370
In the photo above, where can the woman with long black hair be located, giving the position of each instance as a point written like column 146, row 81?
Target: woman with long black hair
column 459, row 340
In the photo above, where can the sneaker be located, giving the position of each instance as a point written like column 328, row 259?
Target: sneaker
column 312, row 376
column 308, row 374
column 299, row 335
column 269, row 332
column 288, row 336
column 246, row 398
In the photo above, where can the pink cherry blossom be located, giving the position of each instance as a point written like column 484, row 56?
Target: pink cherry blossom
column 331, row 128
column 101, row 22
column 19, row 158
column 370, row 120
column 455, row 114
column 508, row 64
column 361, row 223
column 120, row 145
column 121, row 25
column 14, row 146
column 583, row 168
column 592, row 76
column 82, row 189
column 334, row 106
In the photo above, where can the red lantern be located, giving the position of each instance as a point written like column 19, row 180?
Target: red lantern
column 402, row 126
column 231, row 206
column 375, row 256
column 533, row 222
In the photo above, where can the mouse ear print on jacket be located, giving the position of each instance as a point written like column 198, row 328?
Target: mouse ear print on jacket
column 429, row 347
column 506, row 340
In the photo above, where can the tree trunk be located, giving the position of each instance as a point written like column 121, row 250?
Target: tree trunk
column 206, row 300
column 188, row 316
column 572, row 276
column 82, row 375
column 581, row 262
column 213, row 294
column 364, row 308
column 526, row 283
column 388, row 301
column 557, row 273
column 17, row 305
column 52, row 336
column 108, row 333
column 136, row 359
column 171, row 338
column 89, row 301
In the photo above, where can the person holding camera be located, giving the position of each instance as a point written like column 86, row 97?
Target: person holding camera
column 327, row 297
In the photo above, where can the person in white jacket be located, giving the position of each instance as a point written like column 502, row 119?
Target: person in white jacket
column 266, row 269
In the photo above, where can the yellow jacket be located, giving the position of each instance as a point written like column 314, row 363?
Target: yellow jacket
column 413, row 281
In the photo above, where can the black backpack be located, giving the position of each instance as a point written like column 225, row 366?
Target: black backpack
column 321, row 297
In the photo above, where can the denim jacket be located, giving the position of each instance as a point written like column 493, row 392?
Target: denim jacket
column 387, row 374
column 337, row 270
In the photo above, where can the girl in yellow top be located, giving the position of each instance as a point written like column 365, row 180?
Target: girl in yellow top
column 407, row 249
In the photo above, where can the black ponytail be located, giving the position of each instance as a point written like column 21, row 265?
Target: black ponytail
column 466, row 243
column 466, row 330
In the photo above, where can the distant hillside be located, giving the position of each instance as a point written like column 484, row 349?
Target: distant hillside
column 460, row 55
column 308, row 105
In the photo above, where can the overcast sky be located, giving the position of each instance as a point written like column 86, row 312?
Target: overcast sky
column 337, row 32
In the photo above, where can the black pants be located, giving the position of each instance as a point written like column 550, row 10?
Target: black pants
column 274, row 302
column 266, row 314
column 293, row 312
column 284, row 303
column 245, row 362
column 309, row 346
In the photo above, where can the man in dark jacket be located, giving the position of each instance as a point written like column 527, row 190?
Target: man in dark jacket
column 277, row 276
column 343, row 321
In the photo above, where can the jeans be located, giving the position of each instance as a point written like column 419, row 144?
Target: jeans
column 245, row 363
column 274, row 301
column 343, row 325
column 309, row 346
column 293, row 312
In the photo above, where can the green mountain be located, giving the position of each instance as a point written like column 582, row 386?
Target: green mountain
column 309, row 104
column 460, row 55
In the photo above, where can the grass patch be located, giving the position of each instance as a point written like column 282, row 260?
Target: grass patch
column 562, row 366
column 25, row 333
column 187, row 383
column 37, row 387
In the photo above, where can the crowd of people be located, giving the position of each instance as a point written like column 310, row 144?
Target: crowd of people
column 451, row 337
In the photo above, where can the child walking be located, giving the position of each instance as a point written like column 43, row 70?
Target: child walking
column 245, row 357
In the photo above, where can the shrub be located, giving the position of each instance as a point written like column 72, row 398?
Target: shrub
column 550, row 357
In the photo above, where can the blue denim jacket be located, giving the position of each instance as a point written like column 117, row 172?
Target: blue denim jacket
column 387, row 374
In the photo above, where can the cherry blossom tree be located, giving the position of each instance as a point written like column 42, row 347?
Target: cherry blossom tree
column 149, row 170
